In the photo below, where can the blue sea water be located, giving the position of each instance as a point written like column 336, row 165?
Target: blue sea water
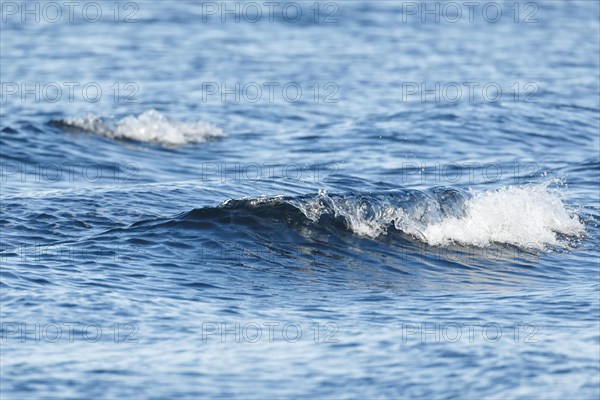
column 345, row 199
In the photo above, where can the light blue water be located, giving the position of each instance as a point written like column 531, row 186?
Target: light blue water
column 361, row 238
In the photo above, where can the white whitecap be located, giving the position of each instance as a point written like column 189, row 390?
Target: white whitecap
column 532, row 217
column 526, row 216
column 151, row 126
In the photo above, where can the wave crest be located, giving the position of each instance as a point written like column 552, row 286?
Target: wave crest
column 531, row 217
column 150, row 126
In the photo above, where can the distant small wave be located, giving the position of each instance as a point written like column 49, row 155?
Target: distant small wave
column 151, row 126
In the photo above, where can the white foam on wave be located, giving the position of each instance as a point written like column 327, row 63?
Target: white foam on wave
column 532, row 217
column 151, row 126
column 526, row 216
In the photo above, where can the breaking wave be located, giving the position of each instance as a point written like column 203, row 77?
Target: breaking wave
column 151, row 126
column 531, row 217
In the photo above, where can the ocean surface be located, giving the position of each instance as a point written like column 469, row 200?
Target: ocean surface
column 345, row 199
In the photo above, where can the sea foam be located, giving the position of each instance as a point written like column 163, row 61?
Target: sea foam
column 151, row 126
column 528, row 216
column 531, row 216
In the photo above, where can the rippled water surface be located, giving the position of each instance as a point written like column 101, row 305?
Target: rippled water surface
column 335, row 226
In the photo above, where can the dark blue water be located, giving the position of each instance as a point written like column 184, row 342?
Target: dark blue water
column 364, row 200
